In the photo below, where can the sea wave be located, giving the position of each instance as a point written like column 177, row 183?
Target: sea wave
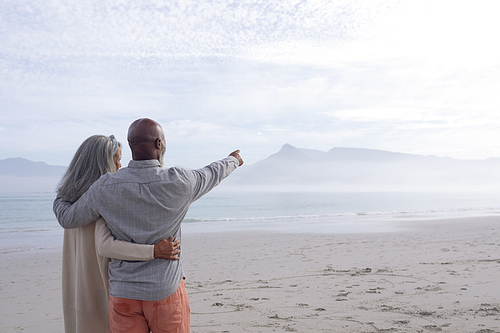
column 368, row 213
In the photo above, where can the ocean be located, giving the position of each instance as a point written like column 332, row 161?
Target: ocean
column 28, row 223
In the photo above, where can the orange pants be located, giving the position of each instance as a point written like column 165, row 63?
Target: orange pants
column 171, row 314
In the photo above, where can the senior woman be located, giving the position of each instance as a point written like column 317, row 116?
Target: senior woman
column 86, row 250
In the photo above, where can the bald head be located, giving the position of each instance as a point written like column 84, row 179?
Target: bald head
column 146, row 140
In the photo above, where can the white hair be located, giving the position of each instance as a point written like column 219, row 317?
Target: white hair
column 94, row 158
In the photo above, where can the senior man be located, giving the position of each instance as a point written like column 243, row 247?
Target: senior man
column 144, row 203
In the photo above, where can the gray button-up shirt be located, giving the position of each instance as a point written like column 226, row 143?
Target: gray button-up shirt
column 143, row 203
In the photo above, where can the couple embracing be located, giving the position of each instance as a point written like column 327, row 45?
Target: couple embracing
column 132, row 215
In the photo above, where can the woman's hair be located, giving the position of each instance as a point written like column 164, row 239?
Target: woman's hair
column 94, row 158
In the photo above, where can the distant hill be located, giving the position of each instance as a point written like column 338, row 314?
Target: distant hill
column 297, row 169
column 22, row 175
column 21, row 167
column 356, row 169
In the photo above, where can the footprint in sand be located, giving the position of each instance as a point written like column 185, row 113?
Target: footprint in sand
column 433, row 328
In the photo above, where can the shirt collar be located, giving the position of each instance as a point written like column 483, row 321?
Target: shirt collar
column 143, row 164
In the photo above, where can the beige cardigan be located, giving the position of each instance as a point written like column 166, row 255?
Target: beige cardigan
column 86, row 253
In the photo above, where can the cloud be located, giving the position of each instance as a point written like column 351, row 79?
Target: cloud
column 166, row 31
column 378, row 74
column 389, row 115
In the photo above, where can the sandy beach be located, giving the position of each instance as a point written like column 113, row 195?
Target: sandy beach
column 426, row 276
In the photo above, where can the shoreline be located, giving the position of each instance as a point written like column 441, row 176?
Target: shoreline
column 428, row 276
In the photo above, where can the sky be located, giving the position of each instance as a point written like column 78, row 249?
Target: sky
column 420, row 77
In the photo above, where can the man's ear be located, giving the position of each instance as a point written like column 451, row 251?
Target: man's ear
column 158, row 143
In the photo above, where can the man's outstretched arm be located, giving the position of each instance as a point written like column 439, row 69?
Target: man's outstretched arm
column 210, row 176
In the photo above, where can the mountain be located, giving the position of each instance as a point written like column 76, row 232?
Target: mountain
column 22, row 175
column 297, row 169
column 21, row 167
column 357, row 169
